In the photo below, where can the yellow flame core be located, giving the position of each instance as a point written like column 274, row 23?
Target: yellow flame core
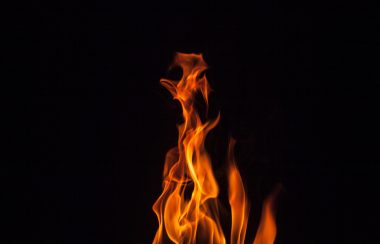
column 187, row 209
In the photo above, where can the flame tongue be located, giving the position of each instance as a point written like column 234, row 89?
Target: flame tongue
column 237, row 199
column 194, row 218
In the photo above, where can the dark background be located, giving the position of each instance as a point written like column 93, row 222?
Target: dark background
column 295, row 84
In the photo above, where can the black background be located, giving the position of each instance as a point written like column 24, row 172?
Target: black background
column 295, row 84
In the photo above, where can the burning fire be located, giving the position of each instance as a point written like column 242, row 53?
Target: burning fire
column 187, row 209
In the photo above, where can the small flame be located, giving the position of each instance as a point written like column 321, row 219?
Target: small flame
column 237, row 198
column 266, row 233
column 187, row 209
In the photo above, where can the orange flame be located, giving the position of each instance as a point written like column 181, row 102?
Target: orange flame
column 237, row 199
column 187, row 209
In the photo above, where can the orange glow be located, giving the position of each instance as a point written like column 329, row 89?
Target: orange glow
column 187, row 209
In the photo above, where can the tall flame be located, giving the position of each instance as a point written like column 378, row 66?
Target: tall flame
column 237, row 198
column 187, row 209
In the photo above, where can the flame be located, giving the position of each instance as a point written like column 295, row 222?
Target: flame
column 187, row 209
column 237, row 198
column 266, row 233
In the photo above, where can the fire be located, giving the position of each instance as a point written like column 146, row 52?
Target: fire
column 187, row 209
